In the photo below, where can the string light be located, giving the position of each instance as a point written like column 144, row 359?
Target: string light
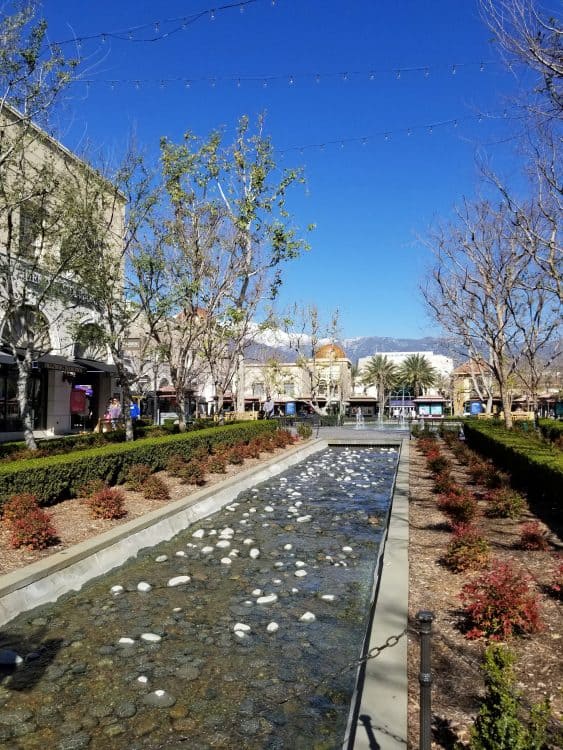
column 290, row 79
column 212, row 15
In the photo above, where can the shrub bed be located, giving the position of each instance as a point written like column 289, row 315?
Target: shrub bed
column 56, row 477
column 533, row 464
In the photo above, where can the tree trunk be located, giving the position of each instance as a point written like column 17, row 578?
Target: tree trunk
column 181, row 408
column 127, row 398
column 506, row 407
column 24, row 404
column 240, row 385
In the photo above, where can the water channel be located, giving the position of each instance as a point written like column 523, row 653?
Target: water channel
column 241, row 632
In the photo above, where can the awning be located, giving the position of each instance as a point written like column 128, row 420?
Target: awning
column 6, row 359
column 93, row 365
column 55, row 362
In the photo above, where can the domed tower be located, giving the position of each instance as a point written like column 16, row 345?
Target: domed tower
column 330, row 351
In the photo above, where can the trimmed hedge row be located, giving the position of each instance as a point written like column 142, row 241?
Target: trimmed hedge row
column 67, row 443
column 533, row 464
column 551, row 430
column 56, row 477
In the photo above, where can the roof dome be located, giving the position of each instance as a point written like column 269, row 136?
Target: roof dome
column 330, row 351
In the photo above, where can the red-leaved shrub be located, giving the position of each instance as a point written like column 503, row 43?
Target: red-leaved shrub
column 504, row 503
column 175, row 464
column 555, row 586
column 533, row 537
column 137, row 475
column 91, row 487
column 467, row 550
column 236, row 454
column 19, row 506
column 438, row 463
column 35, row 531
column 459, row 507
column 444, row 482
column 217, row 463
column 500, row 603
column 193, row 473
column 107, row 503
column 155, row 488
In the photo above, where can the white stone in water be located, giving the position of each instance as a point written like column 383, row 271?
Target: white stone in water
column 160, row 699
column 268, row 509
column 226, row 561
column 178, row 580
column 207, row 550
column 265, row 525
column 180, row 553
column 307, row 617
column 298, row 504
column 9, row 658
column 117, row 589
column 213, row 532
column 252, row 510
column 303, row 519
column 189, row 545
column 277, row 581
column 294, row 591
column 245, row 515
column 223, row 544
column 278, row 565
column 199, row 534
column 268, row 599
column 254, row 490
column 243, row 521
column 126, row 641
column 144, row 586
column 151, row 637
column 248, row 541
column 272, row 627
column 347, row 549
column 328, row 597
column 256, row 592
column 300, row 573
column 143, row 679
column 297, row 494
column 288, row 546
column 161, row 558
column 177, row 609
column 254, row 553
column 241, row 634
column 241, row 626
column 300, row 564
column 227, row 531
column 233, row 553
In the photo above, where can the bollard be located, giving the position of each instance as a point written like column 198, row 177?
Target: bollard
column 425, row 618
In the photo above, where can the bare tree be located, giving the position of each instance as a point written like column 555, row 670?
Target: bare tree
column 528, row 36
column 479, row 289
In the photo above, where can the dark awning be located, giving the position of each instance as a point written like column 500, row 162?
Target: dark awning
column 56, row 362
column 93, row 365
column 7, row 359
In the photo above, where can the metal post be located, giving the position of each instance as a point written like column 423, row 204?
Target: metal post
column 425, row 619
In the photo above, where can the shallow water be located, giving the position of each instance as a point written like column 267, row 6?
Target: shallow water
column 228, row 680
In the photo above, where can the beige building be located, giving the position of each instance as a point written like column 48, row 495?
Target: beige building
column 322, row 383
column 43, row 308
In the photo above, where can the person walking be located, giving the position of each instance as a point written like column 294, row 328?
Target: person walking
column 114, row 412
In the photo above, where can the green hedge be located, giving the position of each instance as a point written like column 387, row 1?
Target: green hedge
column 533, row 464
column 551, row 430
column 53, row 478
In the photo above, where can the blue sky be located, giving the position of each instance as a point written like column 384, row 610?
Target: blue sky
column 370, row 200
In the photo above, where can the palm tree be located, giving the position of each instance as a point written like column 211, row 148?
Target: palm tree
column 417, row 373
column 381, row 372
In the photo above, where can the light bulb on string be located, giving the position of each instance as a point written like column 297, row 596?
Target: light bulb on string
column 372, row 75
column 265, row 84
column 188, row 84
column 364, row 141
column 427, row 72
column 345, row 76
column 137, row 85
column 130, row 36
column 455, row 123
column 482, row 67
column 291, row 80
column 112, row 85
column 430, row 130
column 387, row 137
column 103, row 38
column 213, row 83
column 241, row 9
column 238, row 83
column 409, row 132
column 341, row 144
column 156, row 27
column 398, row 74
column 162, row 85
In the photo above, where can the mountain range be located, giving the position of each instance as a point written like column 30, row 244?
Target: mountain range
column 276, row 344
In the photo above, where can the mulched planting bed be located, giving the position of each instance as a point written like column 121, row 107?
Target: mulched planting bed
column 456, row 661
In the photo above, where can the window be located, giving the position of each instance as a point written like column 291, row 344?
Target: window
column 322, row 387
column 32, row 218
column 289, row 388
column 258, row 390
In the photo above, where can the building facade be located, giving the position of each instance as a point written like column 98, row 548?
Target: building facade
column 46, row 318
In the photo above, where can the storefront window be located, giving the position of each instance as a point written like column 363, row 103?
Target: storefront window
column 10, row 420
